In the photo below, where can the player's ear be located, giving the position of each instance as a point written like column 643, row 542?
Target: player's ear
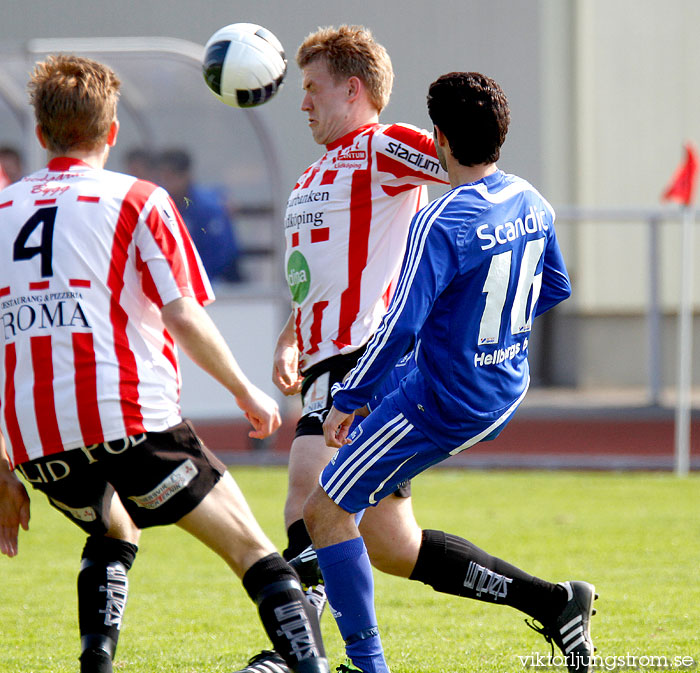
column 113, row 133
column 440, row 138
column 40, row 135
column 354, row 86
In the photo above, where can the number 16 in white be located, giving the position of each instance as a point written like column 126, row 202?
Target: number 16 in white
column 496, row 290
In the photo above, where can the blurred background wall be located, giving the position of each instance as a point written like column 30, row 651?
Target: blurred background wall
column 603, row 96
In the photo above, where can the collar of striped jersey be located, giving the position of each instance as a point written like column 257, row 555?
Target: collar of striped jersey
column 348, row 138
column 65, row 163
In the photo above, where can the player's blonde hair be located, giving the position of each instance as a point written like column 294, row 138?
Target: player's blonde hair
column 75, row 101
column 351, row 51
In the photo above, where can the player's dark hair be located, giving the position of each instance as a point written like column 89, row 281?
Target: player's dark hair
column 472, row 111
column 351, row 51
column 176, row 159
column 11, row 153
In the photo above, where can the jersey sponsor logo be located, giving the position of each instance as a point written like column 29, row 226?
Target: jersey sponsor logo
column 499, row 355
column 295, row 220
column 411, row 156
column 353, row 166
column 351, row 158
column 298, row 276
column 50, row 189
column 505, row 233
column 172, row 484
column 352, row 154
column 308, row 197
column 54, row 309
column 52, row 177
column 49, row 185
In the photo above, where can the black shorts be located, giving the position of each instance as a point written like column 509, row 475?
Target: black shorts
column 316, row 398
column 316, row 387
column 159, row 477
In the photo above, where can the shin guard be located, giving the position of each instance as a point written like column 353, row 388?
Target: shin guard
column 453, row 565
column 289, row 619
column 102, row 593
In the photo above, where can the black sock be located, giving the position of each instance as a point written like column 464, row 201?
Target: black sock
column 455, row 566
column 289, row 619
column 102, row 593
column 298, row 539
column 95, row 661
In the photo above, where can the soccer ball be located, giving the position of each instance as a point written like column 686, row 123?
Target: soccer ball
column 244, row 65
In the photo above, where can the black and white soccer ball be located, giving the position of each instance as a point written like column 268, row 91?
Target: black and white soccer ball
column 244, row 65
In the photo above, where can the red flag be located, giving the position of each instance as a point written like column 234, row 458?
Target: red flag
column 682, row 185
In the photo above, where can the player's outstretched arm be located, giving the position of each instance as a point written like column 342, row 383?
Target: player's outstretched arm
column 14, row 505
column 285, row 368
column 197, row 335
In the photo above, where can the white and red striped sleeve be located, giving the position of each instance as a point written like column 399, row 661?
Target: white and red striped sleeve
column 170, row 264
column 406, row 158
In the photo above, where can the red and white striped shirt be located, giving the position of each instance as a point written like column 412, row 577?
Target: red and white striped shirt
column 346, row 225
column 87, row 259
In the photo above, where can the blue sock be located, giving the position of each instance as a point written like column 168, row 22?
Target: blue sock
column 347, row 574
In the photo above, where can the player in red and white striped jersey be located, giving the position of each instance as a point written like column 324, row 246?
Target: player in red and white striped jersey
column 346, row 226
column 99, row 280
column 88, row 259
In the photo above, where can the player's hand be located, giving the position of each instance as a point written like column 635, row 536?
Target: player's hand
column 336, row 428
column 261, row 411
column 14, row 512
column 285, row 371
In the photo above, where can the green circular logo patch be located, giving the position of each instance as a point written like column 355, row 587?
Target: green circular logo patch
column 298, row 276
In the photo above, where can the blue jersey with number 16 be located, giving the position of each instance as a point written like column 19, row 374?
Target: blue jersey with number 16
column 481, row 262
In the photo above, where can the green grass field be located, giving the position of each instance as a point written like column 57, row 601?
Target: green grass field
column 636, row 536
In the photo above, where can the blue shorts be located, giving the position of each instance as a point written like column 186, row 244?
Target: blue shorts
column 385, row 450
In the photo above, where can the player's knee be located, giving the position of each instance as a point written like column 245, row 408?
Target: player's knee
column 314, row 507
column 121, row 525
column 130, row 533
column 297, row 495
column 393, row 539
column 391, row 555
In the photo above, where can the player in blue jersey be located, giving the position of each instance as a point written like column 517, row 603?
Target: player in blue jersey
column 481, row 262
